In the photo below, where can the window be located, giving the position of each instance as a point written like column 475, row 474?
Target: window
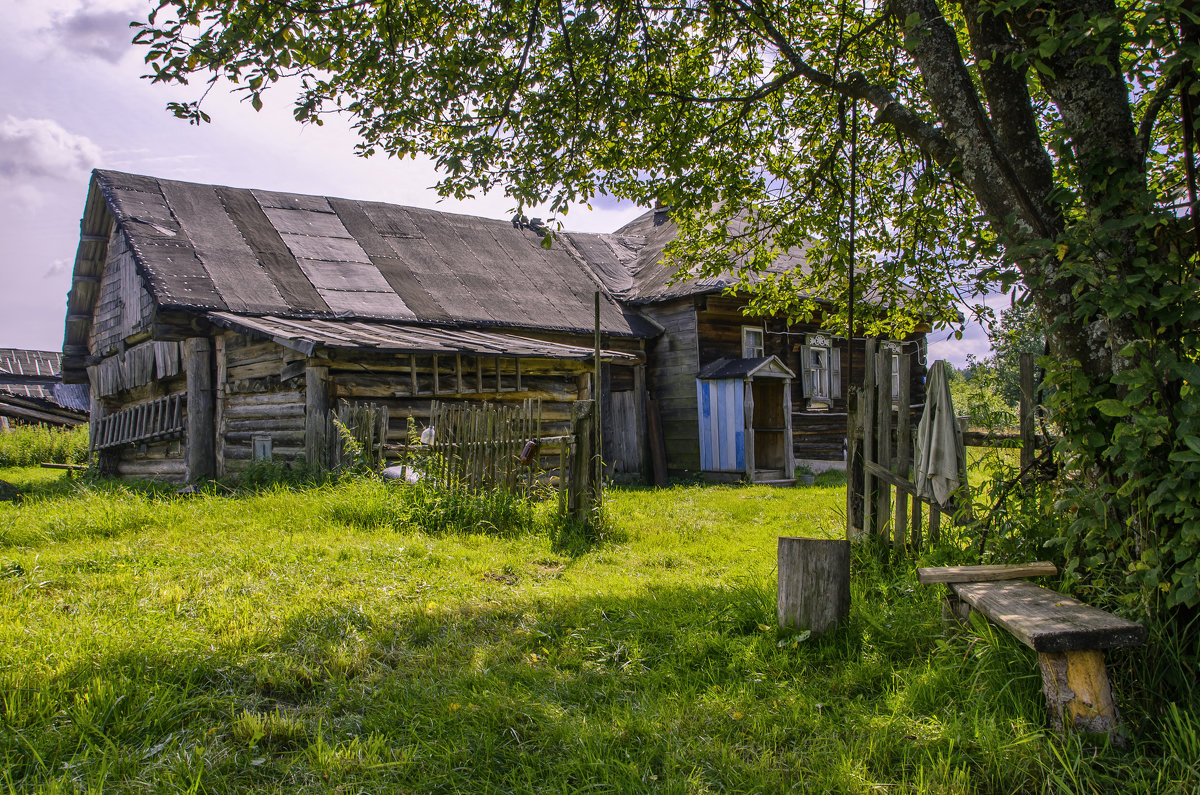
column 752, row 342
column 821, row 369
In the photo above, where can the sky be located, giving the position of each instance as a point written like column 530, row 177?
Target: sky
column 72, row 99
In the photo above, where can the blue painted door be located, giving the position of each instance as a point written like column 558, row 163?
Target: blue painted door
column 722, row 425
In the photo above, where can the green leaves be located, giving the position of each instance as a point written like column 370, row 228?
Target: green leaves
column 1112, row 408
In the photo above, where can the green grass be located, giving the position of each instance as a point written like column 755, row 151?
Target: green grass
column 325, row 639
column 30, row 445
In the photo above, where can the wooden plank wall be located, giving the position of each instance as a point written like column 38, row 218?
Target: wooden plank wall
column 673, row 362
column 123, row 306
column 387, row 379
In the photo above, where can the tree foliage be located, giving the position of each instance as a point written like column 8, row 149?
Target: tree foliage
column 1019, row 330
column 995, row 142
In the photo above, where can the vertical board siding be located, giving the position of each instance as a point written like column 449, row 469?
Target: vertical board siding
column 721, row 425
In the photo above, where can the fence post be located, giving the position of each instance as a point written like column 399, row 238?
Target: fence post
column 854, row 526
column 1026, row 408
column 868, row 415
column 903, row 447
column 883, row 436
column 582, row 485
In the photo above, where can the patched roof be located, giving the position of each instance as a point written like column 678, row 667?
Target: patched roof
column 305, row 335
column 256, row 252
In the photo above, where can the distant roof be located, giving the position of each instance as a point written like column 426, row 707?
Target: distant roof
column 650, row 280
column 767, row 366
column 38, row 375
column 256, row 252
column 45, row 364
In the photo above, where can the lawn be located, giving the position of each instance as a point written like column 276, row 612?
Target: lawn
column 320, row 639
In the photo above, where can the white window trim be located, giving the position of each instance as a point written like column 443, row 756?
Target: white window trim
column 823, row 378
column 748, row 350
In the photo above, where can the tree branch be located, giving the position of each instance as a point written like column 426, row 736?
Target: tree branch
column 1146, row 129
column 1007, row 91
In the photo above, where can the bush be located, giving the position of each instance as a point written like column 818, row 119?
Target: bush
column 30, row 445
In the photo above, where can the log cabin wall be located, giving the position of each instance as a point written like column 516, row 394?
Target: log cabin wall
column 155, row 458
column 151, row 460
column 388, row 379
column 259, row 388
column 673, row 360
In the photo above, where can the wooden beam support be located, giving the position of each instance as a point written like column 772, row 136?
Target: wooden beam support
column 201, row 428
column 318, row 427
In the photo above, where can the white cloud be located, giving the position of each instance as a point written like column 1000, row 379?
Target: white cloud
column 57, row 268
column 96, row 31
column 41, row 148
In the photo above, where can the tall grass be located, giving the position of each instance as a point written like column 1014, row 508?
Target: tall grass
column 30, row 445
column 361, row 636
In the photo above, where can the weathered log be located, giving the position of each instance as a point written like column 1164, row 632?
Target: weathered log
column 1078, row 692
column 201, row 428
column 814, row 583
column 318, row 430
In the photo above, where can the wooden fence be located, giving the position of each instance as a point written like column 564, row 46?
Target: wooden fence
column 881, row 436
column 367, row 425
column 478, row 447
column 162, row 418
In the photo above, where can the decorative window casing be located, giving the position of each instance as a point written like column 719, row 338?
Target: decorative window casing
column 821, row 369
column 752, row 342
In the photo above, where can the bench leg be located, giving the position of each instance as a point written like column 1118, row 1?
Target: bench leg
column 955, row 611
column 1078, row 693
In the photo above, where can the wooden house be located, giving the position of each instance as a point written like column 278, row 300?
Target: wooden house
column 218, row 325
column 32, row 391
column 703, row 322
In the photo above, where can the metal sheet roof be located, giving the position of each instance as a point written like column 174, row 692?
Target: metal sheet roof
column 305, row 335
column 766, row 366
column 38, row 375
column 213, row 248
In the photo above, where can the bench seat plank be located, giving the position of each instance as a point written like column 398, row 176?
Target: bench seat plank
column 1048, row 621
column 1014, row 571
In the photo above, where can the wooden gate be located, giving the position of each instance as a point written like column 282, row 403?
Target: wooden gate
column 881, row 440
column 881, row 429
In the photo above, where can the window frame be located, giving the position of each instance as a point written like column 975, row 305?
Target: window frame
column 822, row 379
column 747, row 349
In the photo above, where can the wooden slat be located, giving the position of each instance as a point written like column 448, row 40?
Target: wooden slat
column 1014, row 571
column 1048, row 621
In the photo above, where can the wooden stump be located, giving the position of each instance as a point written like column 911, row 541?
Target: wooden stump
column 814, row 583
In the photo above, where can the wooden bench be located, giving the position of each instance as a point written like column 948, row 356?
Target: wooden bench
column 1070, row 638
